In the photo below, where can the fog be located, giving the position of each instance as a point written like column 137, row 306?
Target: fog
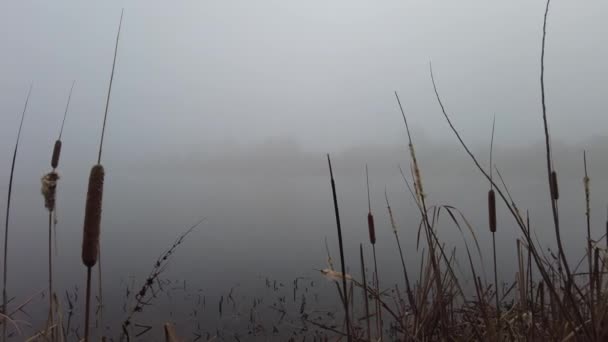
column 195, row 72
column 226, row 110
column 269, row 209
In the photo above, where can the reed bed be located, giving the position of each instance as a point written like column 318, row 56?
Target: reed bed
column 546, row 300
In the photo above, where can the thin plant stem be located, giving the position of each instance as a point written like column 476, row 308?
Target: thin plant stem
column 366, row 301
column 378, row 305
column 8, row 211
column 87, row 306
column 405, row 276
column 496, row 283
column 65, row 114
column 51, row 268
column 342, row 263
column 589, row 244
column 105, row 116
column 494, row 232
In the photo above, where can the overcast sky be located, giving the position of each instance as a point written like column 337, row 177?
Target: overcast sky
column 321, row 73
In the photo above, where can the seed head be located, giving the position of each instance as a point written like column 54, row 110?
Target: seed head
column 92, row 217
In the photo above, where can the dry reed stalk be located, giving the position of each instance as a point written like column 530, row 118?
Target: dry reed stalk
column 342, row 263
column 410, row 295
column 521, row 279
column 430, row 234
column 6, row 222
column 586, row 181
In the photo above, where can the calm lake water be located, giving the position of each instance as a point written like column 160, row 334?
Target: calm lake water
column 268, row 215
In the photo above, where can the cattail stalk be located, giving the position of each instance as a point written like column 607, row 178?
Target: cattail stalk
column 342, row 263
column 6, row 222
column 91, row 252
column 372, row 239
column 49, row 188
column 492, row 224
column 554, row 192
column 369, row 330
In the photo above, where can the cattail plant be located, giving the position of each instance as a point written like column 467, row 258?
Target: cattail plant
column 372, row 239
column 92, row 217
column 6, row 222
column 49, row 190
column 551, row 173
column 342, row 263
column 492, row 223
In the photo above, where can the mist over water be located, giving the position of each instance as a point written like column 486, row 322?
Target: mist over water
column 268, row 208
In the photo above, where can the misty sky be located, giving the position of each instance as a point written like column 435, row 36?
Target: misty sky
column 196, row 74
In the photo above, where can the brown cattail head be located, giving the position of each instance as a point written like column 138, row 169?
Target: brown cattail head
column 56, row 154
column 372, row 228
column 554, row 188
column 492, row 210
column 48, row 189
column 92, row 217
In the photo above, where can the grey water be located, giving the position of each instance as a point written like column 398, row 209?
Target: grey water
column 268, row 211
